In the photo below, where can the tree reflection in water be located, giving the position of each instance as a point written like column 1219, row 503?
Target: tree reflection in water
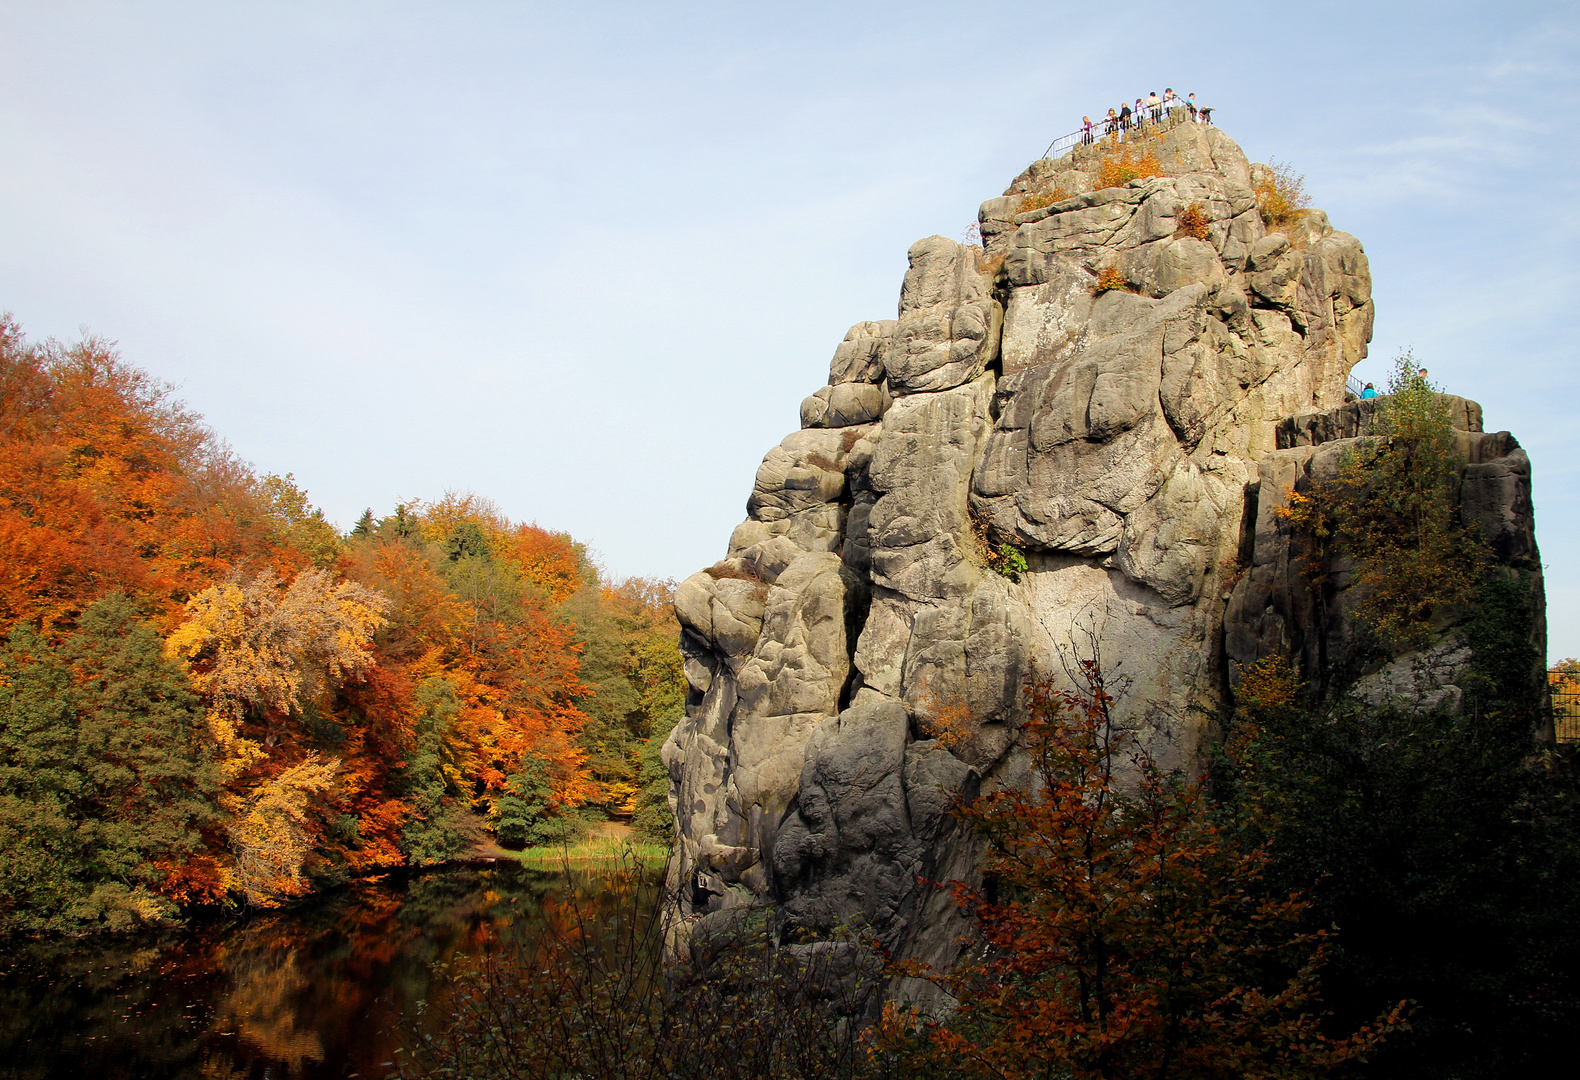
column 316, row 990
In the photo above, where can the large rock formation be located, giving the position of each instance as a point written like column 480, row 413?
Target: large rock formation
column 1132, row 442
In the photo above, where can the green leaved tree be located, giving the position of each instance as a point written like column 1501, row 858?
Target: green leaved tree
column 105, row 784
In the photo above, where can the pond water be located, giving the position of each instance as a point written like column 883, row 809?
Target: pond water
column 321, row 989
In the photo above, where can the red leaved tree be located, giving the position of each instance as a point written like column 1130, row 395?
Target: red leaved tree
column 1123, row 935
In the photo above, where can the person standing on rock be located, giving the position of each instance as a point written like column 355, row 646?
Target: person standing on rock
column 1369, row 392
column 1190, row 106
column 1110, row 122
column 1141, row 112
column 1156, row 106
column 1170, row 102
column 1086, row 131
column 1124, row 118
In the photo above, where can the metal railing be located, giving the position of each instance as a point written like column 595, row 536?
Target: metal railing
column 1103, row 129
column 1565, row 689
column 1354, row 385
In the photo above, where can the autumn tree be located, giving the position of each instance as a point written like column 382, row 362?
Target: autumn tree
column 1123, row 935
column 107, row 483
column 106, row 783
column 258, row 651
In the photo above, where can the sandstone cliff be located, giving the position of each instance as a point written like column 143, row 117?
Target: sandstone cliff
column 1131, row 442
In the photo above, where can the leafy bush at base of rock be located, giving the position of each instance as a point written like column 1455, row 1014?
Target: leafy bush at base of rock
column 1123, row 933
column 1119, row 169
column 1444, row 849
column 592, row 997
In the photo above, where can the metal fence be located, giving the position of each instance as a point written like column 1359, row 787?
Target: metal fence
column 1565, row 689
column 1103, row 129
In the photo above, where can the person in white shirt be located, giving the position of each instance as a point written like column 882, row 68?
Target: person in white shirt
column 1156, row 106
column 1170, row 102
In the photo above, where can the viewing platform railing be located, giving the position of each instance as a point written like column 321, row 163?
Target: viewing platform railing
column 1565, row 689
column 1102, row 129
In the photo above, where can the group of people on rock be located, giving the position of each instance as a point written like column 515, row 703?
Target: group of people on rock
column 1151, row 109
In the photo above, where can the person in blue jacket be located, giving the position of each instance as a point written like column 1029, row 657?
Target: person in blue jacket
column 1369, row 392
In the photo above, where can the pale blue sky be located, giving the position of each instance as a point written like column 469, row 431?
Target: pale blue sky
column 587, row 259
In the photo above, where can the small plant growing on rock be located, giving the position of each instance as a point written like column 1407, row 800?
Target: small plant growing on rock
column 1047, row 197
column 1010, row 562
column 1193, row 221
column 1119, row 169
column 1004, row 559
column 1280, row 193
column 1109, row 279
column 740, row 570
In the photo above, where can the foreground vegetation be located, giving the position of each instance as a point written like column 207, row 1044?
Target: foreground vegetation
column 1352, row 889
column 209, row 696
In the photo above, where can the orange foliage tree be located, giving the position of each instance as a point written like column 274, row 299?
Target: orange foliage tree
column 107, row 484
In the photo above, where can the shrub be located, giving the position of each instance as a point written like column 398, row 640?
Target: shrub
column 1109, row 279
column 744, row 572
column 1047, row 197
column 593, row 998
column 1118, row 170
column 1280, row 193
column 1193, row 221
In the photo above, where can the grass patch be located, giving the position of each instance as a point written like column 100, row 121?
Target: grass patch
column 597, row 849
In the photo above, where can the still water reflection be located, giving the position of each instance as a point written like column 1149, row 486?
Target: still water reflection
column 319, row 990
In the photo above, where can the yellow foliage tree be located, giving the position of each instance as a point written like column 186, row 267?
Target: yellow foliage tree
column 254, row 646
column 269, row 833
column 253, row 650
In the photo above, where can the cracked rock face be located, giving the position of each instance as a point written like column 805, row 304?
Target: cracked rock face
column 854, row 664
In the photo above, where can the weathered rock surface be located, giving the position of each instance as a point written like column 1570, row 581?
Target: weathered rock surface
column 1133, row 443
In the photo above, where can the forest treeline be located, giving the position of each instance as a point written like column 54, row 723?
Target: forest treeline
column 209, row 695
